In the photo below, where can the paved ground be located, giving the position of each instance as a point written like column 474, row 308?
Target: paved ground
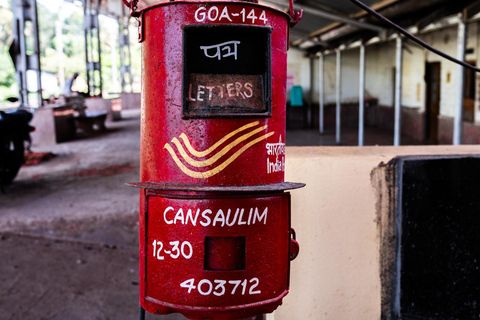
column 68, row 231
column 68, row 227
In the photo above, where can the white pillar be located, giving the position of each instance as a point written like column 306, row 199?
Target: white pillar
column 339, row 97
column 114, row 55
column 459, row 79
column 310, row 96
column 59, row 43
column 361, row 98
column 321, row 98
column 398, row 93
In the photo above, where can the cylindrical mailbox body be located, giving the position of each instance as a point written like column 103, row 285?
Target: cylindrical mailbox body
column 215, row 236
column 174, row 127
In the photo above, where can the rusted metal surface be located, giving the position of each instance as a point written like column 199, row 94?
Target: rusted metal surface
column 214, row 224
column 224, row 95
column 257, row 188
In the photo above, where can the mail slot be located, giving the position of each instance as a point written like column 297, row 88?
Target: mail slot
column 224, row 77
column 215, row 234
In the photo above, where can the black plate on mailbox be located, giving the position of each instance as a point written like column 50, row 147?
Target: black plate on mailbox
column 227, row 71
column 439, row 242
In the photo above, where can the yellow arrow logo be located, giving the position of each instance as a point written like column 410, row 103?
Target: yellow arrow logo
column 219, row 155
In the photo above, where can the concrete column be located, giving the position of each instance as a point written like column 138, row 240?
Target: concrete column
column 361, row 98
column 398, row 93
column 321, row 98
column 26, row 11
column 459, row 79
column 23, row 49
column 338, row 97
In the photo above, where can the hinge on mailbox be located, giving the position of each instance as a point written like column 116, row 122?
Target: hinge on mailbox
column 141, row 29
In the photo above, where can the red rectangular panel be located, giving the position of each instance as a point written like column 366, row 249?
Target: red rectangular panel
column 177, row 251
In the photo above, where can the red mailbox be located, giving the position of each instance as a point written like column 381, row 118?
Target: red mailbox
column 215, row 234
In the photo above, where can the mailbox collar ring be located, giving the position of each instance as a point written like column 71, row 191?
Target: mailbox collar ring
column 161, row 186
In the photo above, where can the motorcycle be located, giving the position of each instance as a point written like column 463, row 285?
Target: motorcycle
column 14, row 141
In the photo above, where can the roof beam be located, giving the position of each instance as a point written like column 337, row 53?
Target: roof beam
column 331, row 16
column 472, row 10
column 448, row 10
column 362, row 13
column 303, row 38
column 432, row 17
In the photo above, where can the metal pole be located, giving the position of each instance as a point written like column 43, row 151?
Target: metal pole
column 310, row 96
column 142, row 313
column 87, row 25
column 338, row 98
column 59, row 43
column 23, row 54
column 125, row 53
column 321, row 98
column 97, row 12
column 398, row 93
column 458, row 120
column 24, row 60
column 361, row 98
column 36, row 55
column 21, row 67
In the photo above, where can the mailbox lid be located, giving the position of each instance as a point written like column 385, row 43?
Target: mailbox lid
column 215, row 253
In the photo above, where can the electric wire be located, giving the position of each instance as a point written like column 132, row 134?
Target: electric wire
column 412, row 37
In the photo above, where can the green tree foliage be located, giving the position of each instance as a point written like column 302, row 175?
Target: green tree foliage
column 8, row 80
column 73, row 41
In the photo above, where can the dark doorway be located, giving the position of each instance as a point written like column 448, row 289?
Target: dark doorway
column 469, row 94
column 432, row 78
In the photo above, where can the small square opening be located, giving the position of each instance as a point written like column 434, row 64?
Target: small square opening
column 224, row 253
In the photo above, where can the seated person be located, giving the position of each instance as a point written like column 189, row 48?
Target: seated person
column 75, row 84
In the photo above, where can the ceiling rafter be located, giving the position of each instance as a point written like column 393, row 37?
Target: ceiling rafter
column 359, row 14
column 414, row 13
column 331, row 16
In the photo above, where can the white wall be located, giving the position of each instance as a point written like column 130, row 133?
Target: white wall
column 380, row 65
column 350, row 77
column 379, row 80
column 414, row 87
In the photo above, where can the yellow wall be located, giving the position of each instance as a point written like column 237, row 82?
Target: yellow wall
column 336, row 275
